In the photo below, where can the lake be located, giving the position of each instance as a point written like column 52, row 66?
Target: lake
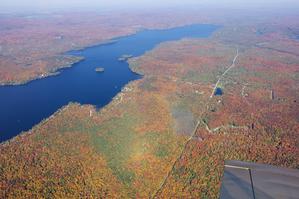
column 218, row 91
column 24, row 106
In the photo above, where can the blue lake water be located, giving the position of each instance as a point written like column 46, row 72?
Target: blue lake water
column 22, row 107
column 218, row 91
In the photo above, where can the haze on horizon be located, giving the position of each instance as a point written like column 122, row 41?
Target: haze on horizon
column 47, row 5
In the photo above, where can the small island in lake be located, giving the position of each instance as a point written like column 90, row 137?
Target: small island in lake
column 124, row 57
column 99, row 69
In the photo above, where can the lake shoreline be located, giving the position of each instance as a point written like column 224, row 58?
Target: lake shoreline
column 57, row 70
column 81, row 84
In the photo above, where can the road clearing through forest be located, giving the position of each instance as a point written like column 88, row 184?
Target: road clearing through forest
column 226, row 71
column 199, row 121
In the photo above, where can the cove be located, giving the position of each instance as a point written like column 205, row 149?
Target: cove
column 24, row 106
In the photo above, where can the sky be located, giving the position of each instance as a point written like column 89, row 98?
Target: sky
column 36, row 5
